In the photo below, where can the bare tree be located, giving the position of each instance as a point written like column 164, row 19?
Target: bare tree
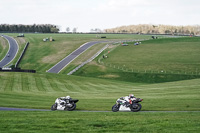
column 75, row 30
column 156, row 29
column 67, row 29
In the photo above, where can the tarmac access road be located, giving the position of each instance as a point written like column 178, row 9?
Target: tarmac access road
column 13, row 49
column 23, row 109
column 63, row 63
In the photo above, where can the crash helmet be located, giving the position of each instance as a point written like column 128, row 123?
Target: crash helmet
column 131, row 95
column 67, row 97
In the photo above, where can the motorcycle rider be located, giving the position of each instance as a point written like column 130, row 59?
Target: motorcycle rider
column 127, row 100
column 64, row 100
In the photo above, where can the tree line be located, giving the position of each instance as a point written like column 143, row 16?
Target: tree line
column 157, row 29
column 41, row 28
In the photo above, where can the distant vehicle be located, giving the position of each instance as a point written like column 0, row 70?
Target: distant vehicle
column 103, row 36
column 124, row 44
column 8, row 55
column 20, row 35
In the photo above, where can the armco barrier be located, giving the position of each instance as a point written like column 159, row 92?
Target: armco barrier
column 89, row 60
column 17, row 63
column 17, row 70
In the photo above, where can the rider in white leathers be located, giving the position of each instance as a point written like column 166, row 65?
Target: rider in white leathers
column 63, row 100
column 127, row 100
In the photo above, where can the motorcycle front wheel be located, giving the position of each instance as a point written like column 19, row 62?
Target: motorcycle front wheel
column 71, row 108
column 136, row 107
column 54, row 107
column 115, row 108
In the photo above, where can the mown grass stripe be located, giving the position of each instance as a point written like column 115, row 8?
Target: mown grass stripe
column 61, row 86
column 88, row 88
column 32, row 83
column 2, row 82
column 51, row 83
column 73, row 87
column 83, row 86
column 17, row 85
column 46, row 84
column 39, row 84
column 69, row 87
column 9, row 82
column 25, row 86
column 80, row 86
column 95, row 87
column 54, row 83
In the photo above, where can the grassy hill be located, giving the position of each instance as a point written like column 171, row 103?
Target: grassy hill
column 170, row 54
column 161, row 60
column 41, row 56
column 40, row 90
column 98, row 85
column 3, row 47
column 25, row 90
column 123, row 81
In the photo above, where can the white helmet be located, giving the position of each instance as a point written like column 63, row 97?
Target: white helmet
column 67, row 97
column 131, row 95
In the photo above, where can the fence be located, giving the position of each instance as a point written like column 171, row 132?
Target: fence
column 114, row 42
column 17, row 63
column 16, row 70
column 125, row 69
column 89, row 60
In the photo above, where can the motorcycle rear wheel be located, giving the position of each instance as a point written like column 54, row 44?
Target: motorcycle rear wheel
column 115, row 108
column 136, row 107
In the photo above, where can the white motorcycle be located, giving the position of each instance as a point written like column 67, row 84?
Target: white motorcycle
column 131, row 105
column 66, row 104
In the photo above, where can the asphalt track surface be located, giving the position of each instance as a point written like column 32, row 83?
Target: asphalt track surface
column 13, row 49
column 23, row 109
column 63, row 63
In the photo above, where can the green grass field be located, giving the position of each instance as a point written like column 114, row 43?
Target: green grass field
column 98, row 86
column 161, row 60
column 24, row 90
column 27, row 90
column 173, row 55
column 3, row 48
column 41, row 56
column 51, row 122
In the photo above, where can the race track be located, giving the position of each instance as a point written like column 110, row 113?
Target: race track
column 63, row 63
column 13, row 49
column 23, row 109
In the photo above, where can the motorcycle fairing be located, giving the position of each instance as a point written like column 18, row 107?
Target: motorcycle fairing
column 124, row 108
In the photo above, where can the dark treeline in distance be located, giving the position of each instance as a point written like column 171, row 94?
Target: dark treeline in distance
column 41, row 28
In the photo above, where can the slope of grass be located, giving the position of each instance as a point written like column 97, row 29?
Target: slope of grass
column 174, row 54
column 40, row 90
column 3, row 48
column 161, row 60
column 41, row 56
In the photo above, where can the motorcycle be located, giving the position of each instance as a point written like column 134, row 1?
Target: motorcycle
column 132, row 105
column 66, row 104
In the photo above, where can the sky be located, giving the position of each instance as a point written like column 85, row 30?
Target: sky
column 90, row 14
